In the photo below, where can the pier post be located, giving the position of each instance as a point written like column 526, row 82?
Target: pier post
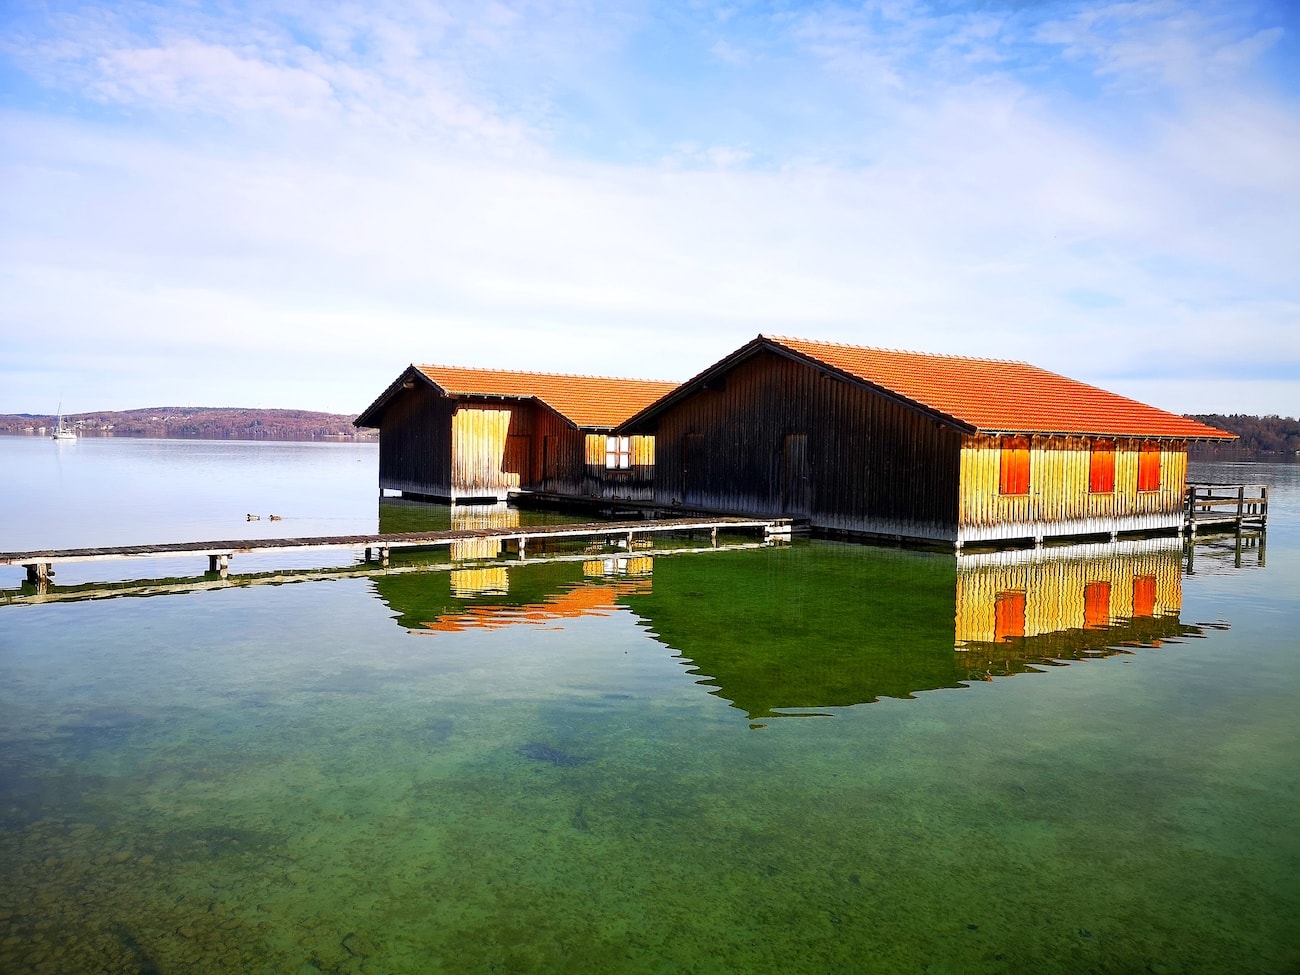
column 38, row 575
column 523, row 546
column 383, row 556
column 219, row 563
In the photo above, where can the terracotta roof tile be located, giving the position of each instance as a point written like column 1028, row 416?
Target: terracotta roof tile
column 586, row 401
column 1002, row 396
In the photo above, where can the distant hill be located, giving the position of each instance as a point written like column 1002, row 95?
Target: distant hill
column 1266, row 437
column 197, row 423
column 1261, row 437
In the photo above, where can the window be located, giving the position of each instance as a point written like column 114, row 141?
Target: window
column 1101, row 468
column 1008, row 616
column 618, row 453
column 1149, row 469
column 1144, row 596
column 1013, row 466
column 1096, row 606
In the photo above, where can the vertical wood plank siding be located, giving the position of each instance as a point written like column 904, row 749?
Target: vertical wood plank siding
column 1059, row 501
column 478, row 517
column 415, row 444
column 871, row 465
column 480, row 460
column 555, row 462
column 636, row 483
column 1055, row 591
column 441, row 447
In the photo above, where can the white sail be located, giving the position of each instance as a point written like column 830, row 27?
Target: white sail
column 61, row 429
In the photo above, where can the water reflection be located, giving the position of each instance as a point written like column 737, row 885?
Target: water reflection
column 495, row 596
column 1019, row 610
column 799, row 630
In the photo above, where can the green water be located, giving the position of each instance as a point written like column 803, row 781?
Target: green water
column 764, row 761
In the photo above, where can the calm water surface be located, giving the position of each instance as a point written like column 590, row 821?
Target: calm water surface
column 821, row 758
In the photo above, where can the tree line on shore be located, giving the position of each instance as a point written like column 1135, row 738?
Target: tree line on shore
column 196, row 423
column 1275, row 437
column 1266, row 437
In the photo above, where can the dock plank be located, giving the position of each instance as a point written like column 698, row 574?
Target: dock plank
column 392, row 540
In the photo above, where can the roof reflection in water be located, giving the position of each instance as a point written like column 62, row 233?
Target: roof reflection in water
column 587, row 599
column 496, row 596
column 812, row 627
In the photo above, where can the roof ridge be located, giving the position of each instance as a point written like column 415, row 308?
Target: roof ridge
column 536, row 372
column 782, row 339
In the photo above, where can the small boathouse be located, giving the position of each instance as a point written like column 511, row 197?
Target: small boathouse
column 470, row 436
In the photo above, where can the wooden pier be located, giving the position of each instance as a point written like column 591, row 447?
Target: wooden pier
column 378, row 547
column 1231, row 507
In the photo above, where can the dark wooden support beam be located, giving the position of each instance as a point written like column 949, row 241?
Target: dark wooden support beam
column 39, row 573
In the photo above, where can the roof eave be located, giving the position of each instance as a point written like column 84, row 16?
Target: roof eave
column 372, row 416
column 690, row 387
column 1125, row 434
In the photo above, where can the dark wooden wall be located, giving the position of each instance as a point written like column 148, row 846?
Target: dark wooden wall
column 415, row 443
column 633, row 483
column 439, row 447
column 775, row 436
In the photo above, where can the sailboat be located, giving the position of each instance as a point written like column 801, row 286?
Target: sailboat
column 62, row 431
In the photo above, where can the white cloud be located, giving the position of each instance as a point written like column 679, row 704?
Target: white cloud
column 191, row 76
column 1163, row 42
column 380, row 197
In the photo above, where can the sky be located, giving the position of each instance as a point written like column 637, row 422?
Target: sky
column 282, row 203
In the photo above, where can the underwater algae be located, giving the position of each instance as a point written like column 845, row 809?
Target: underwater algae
column 341, row 788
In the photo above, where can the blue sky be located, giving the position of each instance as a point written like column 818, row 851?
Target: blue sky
column 283, row 203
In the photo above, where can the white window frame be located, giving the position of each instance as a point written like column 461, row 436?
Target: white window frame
column 618, row 453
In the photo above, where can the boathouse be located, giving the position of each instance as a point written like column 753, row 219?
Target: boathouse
column 910, row 446
column 479, row 435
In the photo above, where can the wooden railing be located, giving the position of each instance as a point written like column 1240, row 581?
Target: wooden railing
column 1226, row 505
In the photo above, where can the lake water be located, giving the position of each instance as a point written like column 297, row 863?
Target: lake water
column 813, row 758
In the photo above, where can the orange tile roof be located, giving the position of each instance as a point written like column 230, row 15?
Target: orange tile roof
column 586, row 401
column 1000, row 396
column 586, row 600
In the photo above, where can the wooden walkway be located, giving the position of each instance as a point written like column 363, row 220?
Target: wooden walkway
column 40, row 563
column 277, row 577
column 1233, row 507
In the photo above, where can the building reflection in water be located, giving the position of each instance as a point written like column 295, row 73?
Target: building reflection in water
column 1016, row 610
column 803, row 629
column 496, row 596
column 396, row 515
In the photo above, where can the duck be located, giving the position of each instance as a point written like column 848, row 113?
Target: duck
column 254, row 517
